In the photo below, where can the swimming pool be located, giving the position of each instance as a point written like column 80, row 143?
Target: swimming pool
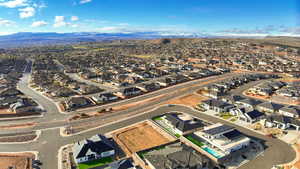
column 212, row 152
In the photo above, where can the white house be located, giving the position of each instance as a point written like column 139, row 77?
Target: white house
column 94, row 148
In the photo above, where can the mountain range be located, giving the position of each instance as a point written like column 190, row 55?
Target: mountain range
column 26, row 39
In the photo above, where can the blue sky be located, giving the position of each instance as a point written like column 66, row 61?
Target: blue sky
column 223, row 17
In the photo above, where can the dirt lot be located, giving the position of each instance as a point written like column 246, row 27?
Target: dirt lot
column 17, row 126
column 23, row 138
column 189, row 100
column 139, row 137
column 18, row 161
column 5, row 111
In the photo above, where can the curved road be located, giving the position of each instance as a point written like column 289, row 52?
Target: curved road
column 50, row 141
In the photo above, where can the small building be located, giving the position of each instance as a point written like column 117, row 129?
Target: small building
column 282, row 122
column 290, row 111
column 182, row 123
column 269, row 107
column 77, row 102
column 8, row 92
column 252, row 116
column 149, row 87
column 105, row 97
column 248, row 103
column 232, row 99
column 93, row 148
column 166, row 81
column 176, row 155
column 23, row 105
column 277, row 121
column 121, row 164
column 217, row 105
column 222, row 138
column 130, row 91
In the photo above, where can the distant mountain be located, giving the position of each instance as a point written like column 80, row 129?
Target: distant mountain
column 25, row 39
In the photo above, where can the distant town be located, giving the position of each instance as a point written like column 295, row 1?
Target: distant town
column 169, row 103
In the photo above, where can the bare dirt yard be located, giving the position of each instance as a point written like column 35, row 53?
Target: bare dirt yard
column 18, row 126
column 18, row 139
column 189, row 100
column 139, row 137
column 5, row 111
column 18, row 160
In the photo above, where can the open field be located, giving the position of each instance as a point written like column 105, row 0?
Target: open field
column 188, row 100
column 18, row 161
column 139, row 137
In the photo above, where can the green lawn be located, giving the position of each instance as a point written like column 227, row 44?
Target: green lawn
column 157, row 118
column 226, row 116
column 198, row 143
column 95, row 163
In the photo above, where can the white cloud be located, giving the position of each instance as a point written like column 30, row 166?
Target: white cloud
column 4, row 22
column 26, row 12
column 39, row 24
column 59, row 21
column 74, row 18
column 14, row 3
column 85, row 1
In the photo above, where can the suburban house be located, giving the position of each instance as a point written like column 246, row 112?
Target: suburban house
column 121, row 164
column 290, row 111
column 248, row 103
column 7, row 92
column 166, row 81
column 131, row 91
column 176, row 155
column 277, row 121
column 217, row 105
column 93, row 148
column 148, row 87
column 251, row 116
column 222, row 138
column 105, row 97
column 282, row 122
column 77, row 102
column 23, row 105
column 232, row 99
column 5, row 102
column 213, row 94
column 269, row 107
column 182, row 123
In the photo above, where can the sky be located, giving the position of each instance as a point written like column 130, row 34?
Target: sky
column 217, row 17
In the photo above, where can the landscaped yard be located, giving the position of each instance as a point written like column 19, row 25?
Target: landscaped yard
column 198, row 143
column 95, row 163
column 226, row 116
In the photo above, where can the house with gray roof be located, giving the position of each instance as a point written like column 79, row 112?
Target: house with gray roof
column 93, row 148
column 217, row 105
column 249, row 103
column 269, row 107
column 177, row 155
column 182, row 123
column 290, row 111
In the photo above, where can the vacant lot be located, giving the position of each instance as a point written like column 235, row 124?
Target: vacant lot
column 5, row 111
column 139, row 137
column 189, row 100
column 19, row 161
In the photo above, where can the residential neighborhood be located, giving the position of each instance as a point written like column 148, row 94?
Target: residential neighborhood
column 152, row 104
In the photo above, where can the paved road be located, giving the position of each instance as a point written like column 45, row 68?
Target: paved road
column 277, row 152
column 50, row 141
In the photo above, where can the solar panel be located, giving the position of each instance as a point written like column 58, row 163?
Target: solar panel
column 232, row 134
column 219, row 129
